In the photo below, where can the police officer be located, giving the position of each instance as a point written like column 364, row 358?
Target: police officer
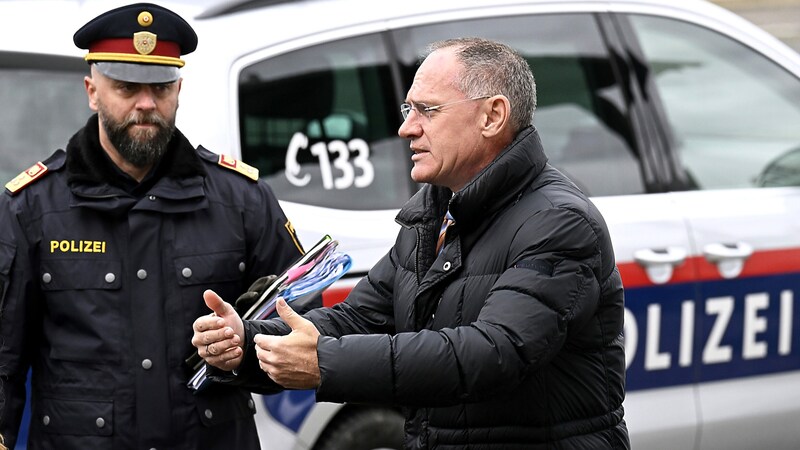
column 107, row 247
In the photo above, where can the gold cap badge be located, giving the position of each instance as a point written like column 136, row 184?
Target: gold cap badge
column 144, row 42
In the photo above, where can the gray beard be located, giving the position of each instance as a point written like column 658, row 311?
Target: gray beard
column 144, row 148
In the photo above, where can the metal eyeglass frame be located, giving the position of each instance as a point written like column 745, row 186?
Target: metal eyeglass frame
column 421, row 108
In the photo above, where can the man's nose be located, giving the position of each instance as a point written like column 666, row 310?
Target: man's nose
column 410, row 127
column 145, row 98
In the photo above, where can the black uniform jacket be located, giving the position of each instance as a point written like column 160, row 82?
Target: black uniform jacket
column 101, row 279
column 511, row 338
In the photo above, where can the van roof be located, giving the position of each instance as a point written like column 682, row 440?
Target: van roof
column 47, row 26
column 235, row 33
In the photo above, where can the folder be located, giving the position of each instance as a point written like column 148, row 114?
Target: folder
column 317, row 269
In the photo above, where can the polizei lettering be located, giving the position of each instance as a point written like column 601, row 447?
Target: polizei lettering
column 724, row 336
column 77, row 246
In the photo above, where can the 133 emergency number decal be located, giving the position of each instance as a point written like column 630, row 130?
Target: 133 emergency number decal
column 336, row 167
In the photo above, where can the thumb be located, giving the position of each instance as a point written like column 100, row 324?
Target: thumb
column 288, row 315
column 216, row 304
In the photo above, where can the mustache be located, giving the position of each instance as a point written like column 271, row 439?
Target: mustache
column 144, row 119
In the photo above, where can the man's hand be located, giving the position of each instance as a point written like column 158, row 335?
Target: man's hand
column 219, row 337
column 290, row 360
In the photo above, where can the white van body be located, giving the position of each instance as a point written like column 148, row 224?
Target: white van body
column 685, row 136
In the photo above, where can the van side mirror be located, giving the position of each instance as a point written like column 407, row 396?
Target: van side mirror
column 782, row 171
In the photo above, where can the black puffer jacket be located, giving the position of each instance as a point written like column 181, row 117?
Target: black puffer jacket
column 510, row 338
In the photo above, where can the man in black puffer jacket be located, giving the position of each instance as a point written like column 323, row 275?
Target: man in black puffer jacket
column 510, row 336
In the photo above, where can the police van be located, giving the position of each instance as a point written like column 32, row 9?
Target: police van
column 681, row 120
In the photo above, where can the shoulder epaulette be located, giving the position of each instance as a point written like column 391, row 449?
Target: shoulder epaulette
column 238, row 166
column 27, row 177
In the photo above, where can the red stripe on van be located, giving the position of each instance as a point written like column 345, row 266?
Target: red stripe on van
column 760, row 263
column 697, row 268
column 334, row 295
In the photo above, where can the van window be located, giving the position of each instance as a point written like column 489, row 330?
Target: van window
column 44, row 103
column 734, row 114
column 321, row 126
column 581, row 115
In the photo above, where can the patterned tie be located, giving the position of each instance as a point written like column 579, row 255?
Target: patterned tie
column 445, row 223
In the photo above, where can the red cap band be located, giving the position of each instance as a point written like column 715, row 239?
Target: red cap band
column 125, row 46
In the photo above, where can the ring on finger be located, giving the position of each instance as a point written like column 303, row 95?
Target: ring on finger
column 208, row 350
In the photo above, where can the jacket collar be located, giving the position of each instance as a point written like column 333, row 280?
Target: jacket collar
column 491, row 190
column 89, row 167
column 97, row 183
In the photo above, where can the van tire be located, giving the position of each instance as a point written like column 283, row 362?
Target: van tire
column 363, row 429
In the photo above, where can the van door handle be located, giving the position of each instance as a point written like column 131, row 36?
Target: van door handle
column 728, row 257
column 659, row 263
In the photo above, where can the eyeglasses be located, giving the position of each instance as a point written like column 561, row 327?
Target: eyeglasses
column 422, row 108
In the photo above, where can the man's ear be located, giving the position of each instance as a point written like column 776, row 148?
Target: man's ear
column 497, row 116
column 91, row 91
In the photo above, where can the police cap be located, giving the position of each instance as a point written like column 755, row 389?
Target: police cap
column 139, row 43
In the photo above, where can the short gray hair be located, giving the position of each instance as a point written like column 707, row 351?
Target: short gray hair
column 491, row 68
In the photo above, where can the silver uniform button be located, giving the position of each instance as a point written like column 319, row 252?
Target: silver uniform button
column 46, row 420
column 186, row 272
column 446, row 265
column 242, row 266
column 251, row 404
column 147, row 364
column 100, row 422
column 152, row 198
column 110, row 277
column 141, row 274
column 209, row 414
column 46, row 278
